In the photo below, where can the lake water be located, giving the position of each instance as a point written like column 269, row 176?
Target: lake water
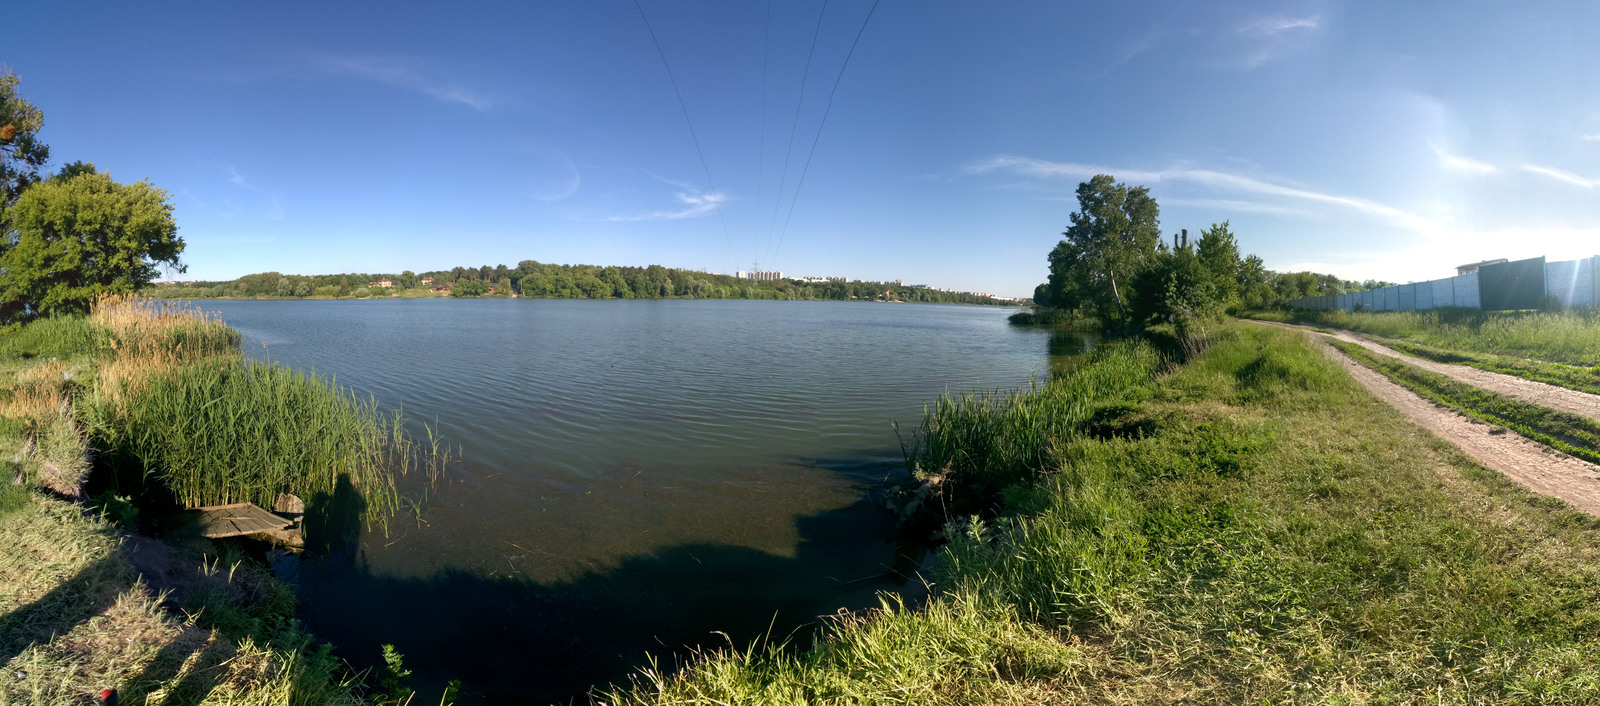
column 634, row 475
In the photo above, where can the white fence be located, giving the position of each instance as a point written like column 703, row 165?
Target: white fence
column 1571, row 282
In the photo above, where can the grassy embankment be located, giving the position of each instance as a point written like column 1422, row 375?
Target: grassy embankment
column 174, row 416
column 1249, row 528
column 1556, row 348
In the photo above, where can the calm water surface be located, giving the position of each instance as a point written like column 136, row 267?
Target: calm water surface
column 634, row 474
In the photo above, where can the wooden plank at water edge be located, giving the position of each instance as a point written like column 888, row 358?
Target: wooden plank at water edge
column 238, row 519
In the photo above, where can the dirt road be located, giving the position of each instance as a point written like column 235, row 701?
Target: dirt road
column 1536, row 467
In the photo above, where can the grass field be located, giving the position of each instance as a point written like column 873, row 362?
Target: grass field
column 1250, row 528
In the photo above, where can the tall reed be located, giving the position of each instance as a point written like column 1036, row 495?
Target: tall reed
column 179, row 399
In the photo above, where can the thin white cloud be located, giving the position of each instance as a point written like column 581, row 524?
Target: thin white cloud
column 1457, row 163
column 1221, row 181
column 1422, row 261
column 571, row 187
column 274, row 197
column 1232, row 205
column 235, row 178
column 695, row 202
column 402, row 72
column 1590, row 138
column 1274, row 37
column 1561, row 175
column 1274, row 26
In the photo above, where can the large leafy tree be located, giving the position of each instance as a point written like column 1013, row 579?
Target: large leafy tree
column 79, row 235
column 1115, row 229
column 21, row 152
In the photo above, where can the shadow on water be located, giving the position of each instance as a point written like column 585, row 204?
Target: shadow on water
column 516, row 640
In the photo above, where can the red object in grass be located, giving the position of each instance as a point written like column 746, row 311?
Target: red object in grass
column 108, row 697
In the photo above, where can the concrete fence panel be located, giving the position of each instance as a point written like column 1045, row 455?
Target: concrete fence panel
column 1467, row 290
column 1514, row 285
column 1424, row 295
column 1444, row 292
column 1571, row 282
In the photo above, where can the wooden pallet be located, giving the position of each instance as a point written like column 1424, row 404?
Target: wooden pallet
column 238, row 519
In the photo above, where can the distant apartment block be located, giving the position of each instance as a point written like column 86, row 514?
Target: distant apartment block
column 759, row 275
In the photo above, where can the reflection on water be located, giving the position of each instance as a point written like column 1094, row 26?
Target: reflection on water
column 634, row 474
column 1066, row 345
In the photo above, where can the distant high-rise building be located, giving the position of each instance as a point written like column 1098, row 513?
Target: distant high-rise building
column 759, row 275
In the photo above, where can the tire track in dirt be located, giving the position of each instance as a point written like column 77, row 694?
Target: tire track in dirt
column 1555, row 397
column 1530, row 464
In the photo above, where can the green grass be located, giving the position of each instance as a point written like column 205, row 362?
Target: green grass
column 50, row 337
column 1571, row 337
column 1565, row 432
column 1583, row 379
column 974, row 445
column 1251, row 528
column 226, row 431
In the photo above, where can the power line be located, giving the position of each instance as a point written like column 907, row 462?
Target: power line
column 685, row 108
column 801, row 184
column 761, row 151
column 794, row 128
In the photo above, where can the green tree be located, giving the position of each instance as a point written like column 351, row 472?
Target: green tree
column 1115, row 229
column 69, row 240
column 469, row 288
column 1218, row 253
column 21, row 152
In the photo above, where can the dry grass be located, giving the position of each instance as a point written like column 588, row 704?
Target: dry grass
column 75, row 619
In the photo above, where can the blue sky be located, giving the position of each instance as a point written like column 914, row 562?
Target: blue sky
column 1369, row 140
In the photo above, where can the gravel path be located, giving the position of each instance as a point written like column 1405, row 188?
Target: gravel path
column 1536, row 467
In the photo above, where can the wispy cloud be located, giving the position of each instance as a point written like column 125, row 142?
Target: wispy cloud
column 1234, row 205
column 694, row 203
column 1221, row 181
column 1457, row 163
column 235, row 178
column 402, row 72
column 1274, row 26
column 571, row 187
column 1590, row 138
column 274, row 197
column 1274, row 37
column 1561, row 175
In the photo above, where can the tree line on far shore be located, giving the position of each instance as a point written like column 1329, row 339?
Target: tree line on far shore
column 531, row 278
column 1114, row 266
